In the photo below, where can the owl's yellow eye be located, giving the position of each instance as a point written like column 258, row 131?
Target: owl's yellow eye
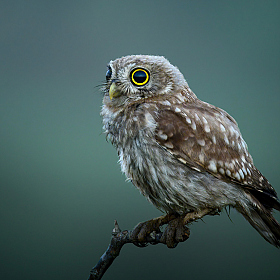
column 139, row 77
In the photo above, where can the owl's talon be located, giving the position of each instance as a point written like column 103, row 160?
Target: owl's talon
column 140, row 245
column 175, row 232
column 142, row 230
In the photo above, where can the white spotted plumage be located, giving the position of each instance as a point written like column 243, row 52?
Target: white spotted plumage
column 182, row 153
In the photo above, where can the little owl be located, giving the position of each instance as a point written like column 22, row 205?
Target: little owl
column 183, row 154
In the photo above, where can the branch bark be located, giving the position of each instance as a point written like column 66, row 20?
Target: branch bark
column 120, row 238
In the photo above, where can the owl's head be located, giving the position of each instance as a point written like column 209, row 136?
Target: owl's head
column 136, row 77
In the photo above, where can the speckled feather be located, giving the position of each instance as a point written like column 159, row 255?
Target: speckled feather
column 181, row 153
column 208, row 139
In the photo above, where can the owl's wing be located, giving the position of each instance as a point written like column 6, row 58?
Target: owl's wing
column 206, row 138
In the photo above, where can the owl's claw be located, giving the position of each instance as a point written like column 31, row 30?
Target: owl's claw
column 175, row 232
column 142, row 230
column 140, row 245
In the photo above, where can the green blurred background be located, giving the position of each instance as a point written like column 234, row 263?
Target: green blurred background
column 60, row 183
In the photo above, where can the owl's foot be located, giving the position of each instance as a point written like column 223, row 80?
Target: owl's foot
column 143, row 230
column 175, row 232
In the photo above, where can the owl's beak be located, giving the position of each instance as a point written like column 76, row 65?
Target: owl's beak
column 114, row 91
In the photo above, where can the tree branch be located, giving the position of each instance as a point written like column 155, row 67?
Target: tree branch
column 120, row 238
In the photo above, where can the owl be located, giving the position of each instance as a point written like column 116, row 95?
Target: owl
column 183, row 154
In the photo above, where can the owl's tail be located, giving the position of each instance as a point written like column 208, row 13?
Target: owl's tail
column 258, row 212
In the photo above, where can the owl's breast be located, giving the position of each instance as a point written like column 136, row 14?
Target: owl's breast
column 146, row 165
column 168, row 183
column 129, row 122
column 142, row 160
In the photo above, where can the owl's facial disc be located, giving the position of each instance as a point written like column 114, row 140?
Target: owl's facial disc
column 139, row 77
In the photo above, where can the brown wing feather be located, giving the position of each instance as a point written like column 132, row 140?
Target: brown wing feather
column 206, row 138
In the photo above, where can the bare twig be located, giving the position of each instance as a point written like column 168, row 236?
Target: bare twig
column 119, row 238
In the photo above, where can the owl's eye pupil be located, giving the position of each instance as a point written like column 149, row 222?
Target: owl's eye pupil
column 139, row 77
column 109, row 73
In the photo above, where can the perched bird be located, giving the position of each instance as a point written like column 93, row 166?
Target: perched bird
column 183, row 154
